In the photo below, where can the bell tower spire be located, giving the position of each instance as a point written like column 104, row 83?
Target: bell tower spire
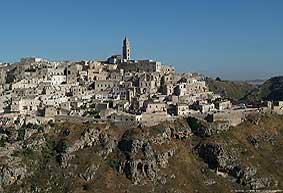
column 126, row 49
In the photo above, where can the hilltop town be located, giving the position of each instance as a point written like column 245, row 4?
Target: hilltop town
column 123, row 125
column 118, row 89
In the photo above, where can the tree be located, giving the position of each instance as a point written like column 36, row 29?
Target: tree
column 218, row 79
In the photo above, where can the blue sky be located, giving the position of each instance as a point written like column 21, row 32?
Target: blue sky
column 234, row 39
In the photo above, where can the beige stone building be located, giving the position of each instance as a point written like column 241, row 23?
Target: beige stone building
column 102, row 85
column 26, row 105
column 2, row 76
column 155, row 107
column 223, row 105
column 140, row 66
column 73, row 73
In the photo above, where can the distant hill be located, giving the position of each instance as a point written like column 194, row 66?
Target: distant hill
column 255, row 82
column 271, row 89
column 234, row 90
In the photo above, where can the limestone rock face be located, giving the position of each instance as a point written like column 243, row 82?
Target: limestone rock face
column 171, row 157
column 181, row 133
column 89, row 138
column 205, row 129
column 247, row 176
column 142, row 162
column 89, row 173
column 260, row 183
column 167, row 134
column 130, row 146
column 137, row 170
column 218, row 157
column 11, row 173
column 258, row 140
column 108, row 145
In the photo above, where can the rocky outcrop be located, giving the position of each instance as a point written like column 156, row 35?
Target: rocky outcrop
column 89, row 138
column 155, row 158
column 142, row 162
column 164, row 136
column 253, row 118
column 89, row 173
column 108, row 145
column 218, row 157
column 259, row 139
column 247, row 176
column 11, row 173
column 169, row 133
column 204, row 129
column 137, row 170
column 181, row 133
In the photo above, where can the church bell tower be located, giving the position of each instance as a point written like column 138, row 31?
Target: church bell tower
column 126, row 49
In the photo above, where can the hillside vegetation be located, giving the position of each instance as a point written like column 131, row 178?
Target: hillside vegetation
column 170, row 158
column 230, row 89
column 271, row 90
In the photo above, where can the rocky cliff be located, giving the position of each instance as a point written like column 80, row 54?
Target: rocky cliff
column 181, row 157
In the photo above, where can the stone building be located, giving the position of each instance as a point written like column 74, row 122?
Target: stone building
column 94, row 76
column 78, row 90
column 155, row 107
column 102, row 85
column 167, row 70
column 58, row 79
column 140, row 66
column 73, row 73
column 25, row 84
column 1, row 90
column 26, row 105
column 2, row 106
column 116, row 75
column 204, row 107
column 20, row 92
column 278, row 107
column 182, row 109
column 50, row 111
column 30, row 60
column 2, row 76
column 146, row 84
column 95, row 71
column 190, row 87
column 115, row 59
column 223, row 105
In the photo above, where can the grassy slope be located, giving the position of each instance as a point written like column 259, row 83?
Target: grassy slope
column 189, row 170
column 230, row 89
column 268, row 157
column 272, row 89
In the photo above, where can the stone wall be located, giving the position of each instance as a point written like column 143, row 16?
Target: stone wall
column 234, row 117
column 151, row 119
